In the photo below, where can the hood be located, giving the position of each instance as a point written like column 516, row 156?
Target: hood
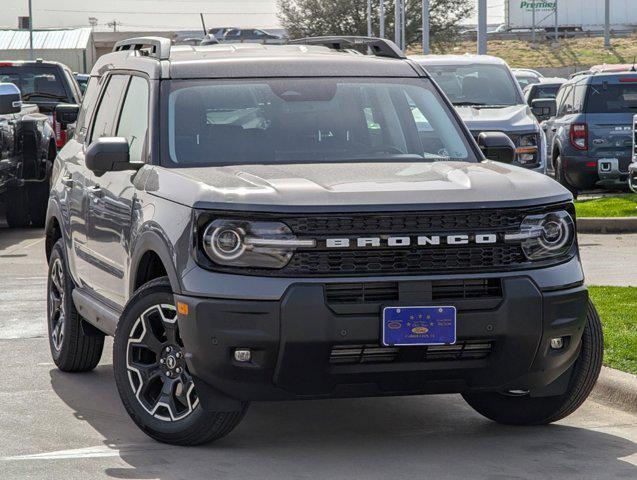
column 516, row 118
column 342, row 186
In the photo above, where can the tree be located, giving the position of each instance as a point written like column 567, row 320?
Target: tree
column 304, row 18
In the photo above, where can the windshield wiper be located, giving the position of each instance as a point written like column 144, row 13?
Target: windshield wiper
column 469, row 104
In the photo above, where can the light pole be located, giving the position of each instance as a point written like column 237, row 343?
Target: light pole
column 402, row 25
column 607, row 24
column 30, row 31
column 533, row 25
column 397, row 35
column 482, row 27
column 425, row 27
column 382, row 19
column 369, row 18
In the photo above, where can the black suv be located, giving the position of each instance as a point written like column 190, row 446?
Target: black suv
column 291, row 222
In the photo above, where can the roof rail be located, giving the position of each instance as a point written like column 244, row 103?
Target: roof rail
column 159, row 47
column 380, row 47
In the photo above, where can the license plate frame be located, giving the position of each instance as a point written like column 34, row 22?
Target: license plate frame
column 437, row 325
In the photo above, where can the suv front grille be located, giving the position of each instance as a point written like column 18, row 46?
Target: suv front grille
column 358, row 354
column 410, row 260
column 388, row 260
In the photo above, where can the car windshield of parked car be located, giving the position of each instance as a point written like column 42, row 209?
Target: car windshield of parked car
column 35, row 83
column 476, row 85
column 525, row 80
column 309, row 120
column 609, row 98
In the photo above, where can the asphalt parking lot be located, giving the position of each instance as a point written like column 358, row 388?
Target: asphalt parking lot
column 63, row 426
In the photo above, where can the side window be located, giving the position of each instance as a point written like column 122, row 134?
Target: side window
column 579, row 98
column 88, row 107
column 133, row 121
column 566, row 107
column 105, row 116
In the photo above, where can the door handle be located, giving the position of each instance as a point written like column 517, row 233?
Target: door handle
column 67, row 181
column 95, row 191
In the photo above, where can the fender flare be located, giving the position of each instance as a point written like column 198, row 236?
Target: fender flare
column 152, row 241
column 54, row 212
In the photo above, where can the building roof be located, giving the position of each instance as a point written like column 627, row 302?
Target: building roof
column 75, row 39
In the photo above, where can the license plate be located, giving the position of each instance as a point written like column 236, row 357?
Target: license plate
column 419, row 326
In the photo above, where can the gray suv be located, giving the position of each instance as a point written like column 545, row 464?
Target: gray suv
column 260, row 222
column 590, row 137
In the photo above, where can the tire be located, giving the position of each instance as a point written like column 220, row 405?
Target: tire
column 71, row 348
column 152, row 376
column 38, row 199
column 17, row 208
column 560, row 176
column 526, row 410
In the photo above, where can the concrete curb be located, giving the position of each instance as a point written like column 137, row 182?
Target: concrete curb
column 607, row 225
column 618, row 389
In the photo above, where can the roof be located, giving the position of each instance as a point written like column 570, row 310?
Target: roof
column 75, row 39
column 249, row 60
column 466, row 59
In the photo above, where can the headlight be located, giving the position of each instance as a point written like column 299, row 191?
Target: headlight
column 545, row 235
column 242, row 243
column 527, row 149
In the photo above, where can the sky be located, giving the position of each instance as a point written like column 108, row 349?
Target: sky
column 160, row 14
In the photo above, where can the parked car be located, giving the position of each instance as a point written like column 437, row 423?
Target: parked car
column 526, row 76
column 297, row 222
column 27, row 151
column 488, row 98
column 45, row 84
column 219, row 32
column 82, row 80
column 251, row 35
column 590, row 138
column 546, row 89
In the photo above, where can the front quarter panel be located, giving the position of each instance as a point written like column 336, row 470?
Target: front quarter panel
column 161, row 226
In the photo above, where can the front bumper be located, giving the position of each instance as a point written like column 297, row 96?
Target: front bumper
column 293, row 341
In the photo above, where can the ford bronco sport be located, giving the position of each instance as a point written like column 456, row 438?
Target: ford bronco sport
column 259, row 222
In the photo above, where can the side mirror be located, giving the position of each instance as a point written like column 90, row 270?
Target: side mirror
column 109, row 154
column 497, row 146
column 544, row 107
column 66, row 113
column 10, row 99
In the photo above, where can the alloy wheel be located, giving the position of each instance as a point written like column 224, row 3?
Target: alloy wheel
column 156, row 366
column 57, row 304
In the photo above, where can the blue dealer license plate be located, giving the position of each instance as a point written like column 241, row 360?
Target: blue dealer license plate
column 419, row 326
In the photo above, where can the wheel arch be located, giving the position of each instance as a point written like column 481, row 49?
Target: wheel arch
column 53, row 228
column 150, row 260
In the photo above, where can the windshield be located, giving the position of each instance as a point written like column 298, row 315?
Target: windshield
column 35, row 83
column 270, row 121
column 608, row 98
column 477, row 85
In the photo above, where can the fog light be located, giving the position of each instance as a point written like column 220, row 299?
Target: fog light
column 242, row 355
column 557, row 343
